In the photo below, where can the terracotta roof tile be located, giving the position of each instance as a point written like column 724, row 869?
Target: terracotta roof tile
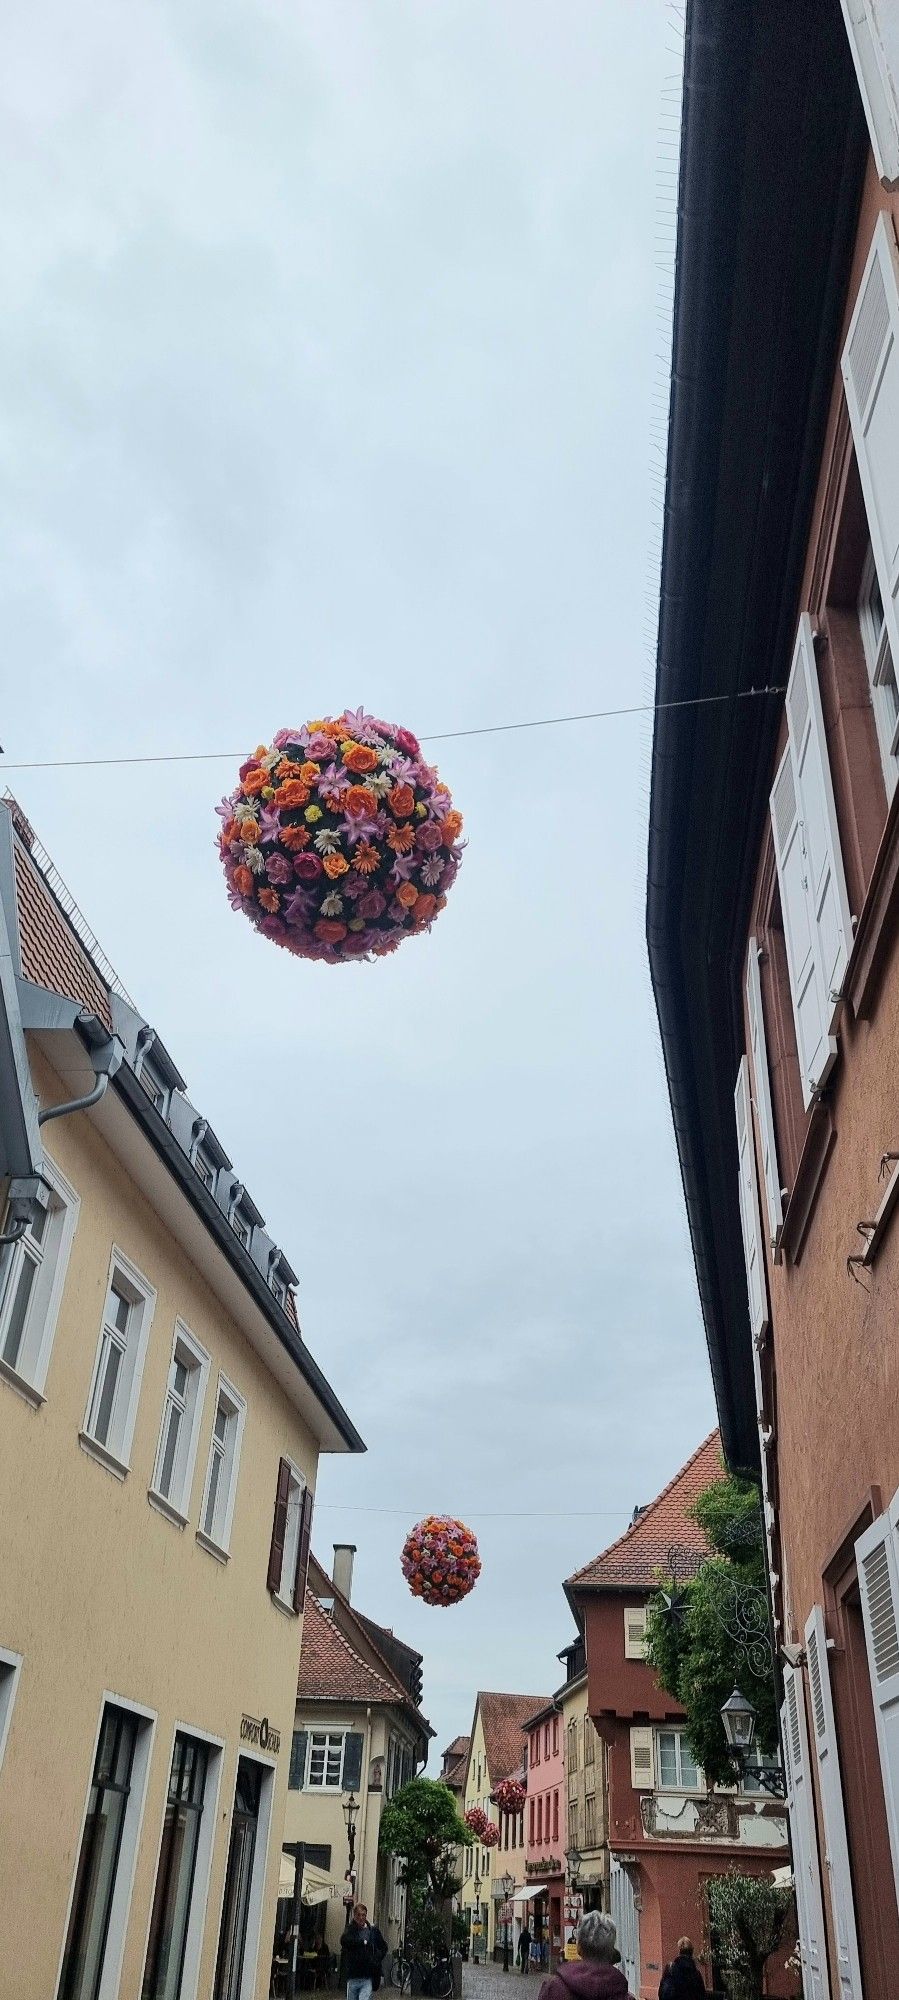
column 52, row 954
column 502, row 1718
column 330, row 1669
column 642, row 1551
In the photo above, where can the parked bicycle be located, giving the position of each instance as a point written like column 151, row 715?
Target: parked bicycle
column 414, row 1975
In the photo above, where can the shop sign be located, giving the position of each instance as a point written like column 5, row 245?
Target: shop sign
column 260, row 1733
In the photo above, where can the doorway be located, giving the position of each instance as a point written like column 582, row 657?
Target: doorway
column 244, row 1874
column 626, row 1918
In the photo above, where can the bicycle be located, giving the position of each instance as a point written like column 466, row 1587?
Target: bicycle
column 401, row 1971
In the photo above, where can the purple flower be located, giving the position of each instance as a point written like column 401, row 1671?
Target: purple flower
column 355, row 830
column 361, row 726
column 285, row 736
column 405, row 769
column 334, row 780
column 320, row 747
column 299, row 907
column 428, row 837
column 432, row 871
column 278, row 868
column 225, row 810
column 269, row 819
column 353, row 885
column 373, row 905
column 402, row 868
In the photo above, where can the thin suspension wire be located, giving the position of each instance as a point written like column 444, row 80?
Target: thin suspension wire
column 442, row 736
column 486, row 1513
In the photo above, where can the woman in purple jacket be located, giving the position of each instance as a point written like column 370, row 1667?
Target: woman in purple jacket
column 594, row 1975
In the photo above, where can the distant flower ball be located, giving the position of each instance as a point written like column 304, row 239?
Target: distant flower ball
column 511, row 1797
column 339, row 840
column 477, row 1820
column 440, row 1560
column 490, row 1835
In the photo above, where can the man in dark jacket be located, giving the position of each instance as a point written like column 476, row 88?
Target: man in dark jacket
column 363, row 1950
column 594, row 1975
column 682, row 1979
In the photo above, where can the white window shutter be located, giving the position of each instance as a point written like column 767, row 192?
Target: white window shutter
column 873, row 30
column 749, row 1205
column 871, row 376
column 824, row 1738
column 878, row 1577
column 798, row 936
column 803, row 1835
column 761, row 1096
column 643, row 1760
column 635, row 1632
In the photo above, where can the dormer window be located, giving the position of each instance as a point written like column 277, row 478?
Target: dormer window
column 157, row 1091
column 278, row 1287
column 206, row 1168
column 241, row 1225
column 156, row 1071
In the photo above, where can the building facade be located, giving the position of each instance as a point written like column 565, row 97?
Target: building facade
column 667, row 1831
column 160, row 1427
column 359, row 1736
column 586, row 1791
column 547, row 1827
column 773, row 905
column 496, row 1751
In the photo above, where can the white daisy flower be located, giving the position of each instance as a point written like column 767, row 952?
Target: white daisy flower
column 380, row 783
column 274, row 757
column 328, row 840
column 255, row 859
column 332, row 904
column 386, row 755
column 432, row 871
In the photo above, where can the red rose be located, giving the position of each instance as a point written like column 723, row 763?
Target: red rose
column 307, row 867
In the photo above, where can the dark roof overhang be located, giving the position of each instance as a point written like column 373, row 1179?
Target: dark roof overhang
column 772, row 159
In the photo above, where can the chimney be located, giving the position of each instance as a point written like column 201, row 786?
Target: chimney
column 342, row 1570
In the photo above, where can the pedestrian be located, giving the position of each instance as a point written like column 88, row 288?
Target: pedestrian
column 364, row 1950
column 682, row 1979
column 594, row 1974
column 523, row 1948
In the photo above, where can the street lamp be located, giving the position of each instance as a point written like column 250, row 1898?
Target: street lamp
column 507, row 1885
column 573, row 1863
column 738, row 1719
column 350, row 1809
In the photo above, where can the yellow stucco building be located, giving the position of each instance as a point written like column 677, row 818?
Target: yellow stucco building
column 161, row 1421
column 586, row 1783
column 495, row 1751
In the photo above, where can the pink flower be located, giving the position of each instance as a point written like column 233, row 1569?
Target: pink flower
column 278, row 868
column 373, row 905
column 319, row 747
column 406, row 741
column 353, row 885
column 428, row 838
column 307, row 867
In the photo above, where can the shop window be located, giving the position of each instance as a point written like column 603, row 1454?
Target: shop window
column 222, row 1469
column 95, row 1933
column 179, row 1431
column 182, row 1867
column 238, row 1948
column 115, row 1385
column 32, row 1275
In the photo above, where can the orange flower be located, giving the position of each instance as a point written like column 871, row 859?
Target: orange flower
column 401, row 839
column 358, row 757
column 324, row 728
column 401, row 801
column 270, row 899
column 295, row 837
column 425, row 908
column 243, row 880
column 254, row 782
column 329, row 931
column 261, row 751
column 359, row 801
column 451, row 827
column 294, row 793
column 249, row 830
column 288, row 769
column 407, row 894
column 230, row 831
column 335, row 865
column 366, row 858
column 310, row 773
column 333, row 801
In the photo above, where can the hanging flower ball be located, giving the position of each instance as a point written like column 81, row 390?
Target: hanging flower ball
column 477, row 1820
column 490, row 1835
column 511, row 1797
column 339, row 840
column 440, row 1560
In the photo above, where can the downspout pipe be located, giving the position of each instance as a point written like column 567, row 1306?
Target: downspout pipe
column 105, row 1061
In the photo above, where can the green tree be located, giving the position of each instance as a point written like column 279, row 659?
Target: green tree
column 421, row 1826
column 711, row 1633
column 748, row 1917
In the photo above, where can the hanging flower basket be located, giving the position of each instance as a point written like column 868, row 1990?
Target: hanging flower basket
column 490, row 1835
column 511, row 1797
column 440, row 1560
column 339, row 840
column 477, row 1820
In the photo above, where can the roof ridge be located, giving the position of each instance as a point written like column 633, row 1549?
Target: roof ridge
column 649, row 1510
column 392, row 1678
column 311, row 1602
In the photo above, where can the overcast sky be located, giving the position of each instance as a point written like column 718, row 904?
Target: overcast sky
column 331, row 362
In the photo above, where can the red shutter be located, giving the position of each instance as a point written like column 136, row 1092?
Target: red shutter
column 279, row 1528
column 299, row 1582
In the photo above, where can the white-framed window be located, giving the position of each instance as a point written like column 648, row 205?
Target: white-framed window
column 881, row 670
column 635, row 1631
column 221, row 1471
column 179, row 1431
column 326, row 1760
column 10, row 1669
column 115, row 1384
column 103, row 1880
column 676, row 1767
column 178, row 1913
column 32, row 1275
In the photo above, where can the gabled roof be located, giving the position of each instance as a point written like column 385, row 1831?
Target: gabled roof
column 503, row 1717
column 363, row 1630
column 642, row 1551
column 455, row 1763
column 331, row 1669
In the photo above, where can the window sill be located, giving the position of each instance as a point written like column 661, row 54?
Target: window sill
column 212, row 1548
column 107, row 1459
column 283, row 1604
column 164, row 1506
column 21, row 1385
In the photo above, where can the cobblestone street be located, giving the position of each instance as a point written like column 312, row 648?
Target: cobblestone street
column 490, row 1982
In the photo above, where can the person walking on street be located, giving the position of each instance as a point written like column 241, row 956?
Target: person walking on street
column 364, row 1950
column 524, row 1948
column 682, row 1979
column 594, row 1974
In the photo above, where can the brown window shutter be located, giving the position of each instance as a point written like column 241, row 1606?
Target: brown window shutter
column 299, row 1586
column 279, row 1527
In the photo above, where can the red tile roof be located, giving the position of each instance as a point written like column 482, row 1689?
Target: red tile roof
column 330, row 1668
column 52, row 953
column 502, row 1718
column 642, row 1551
column 455, row 1763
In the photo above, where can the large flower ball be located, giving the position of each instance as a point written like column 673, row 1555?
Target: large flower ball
column 490, row 1835
column 477, row 1820
column 339, row 840
column 440, row 1560
column 510, row 1796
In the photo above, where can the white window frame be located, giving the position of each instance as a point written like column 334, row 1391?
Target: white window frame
column 219, row 1543
column 867, row 21
column 186, row 1349
column 680, row 1738
column 199, row 1898
column 150, row 1072
column 29, row 1371
column 10, row 1671
column 331, row 1736
column 634, row 1649
column 120, row 1908
column 881, row 670
column 291, row 1550
column 115, row 1451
